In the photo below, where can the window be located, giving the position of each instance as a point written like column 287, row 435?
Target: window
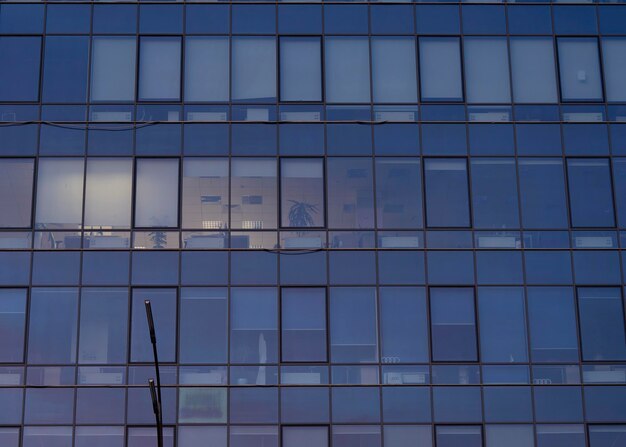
column 619, row 177
column 193, row 435
column 494, row 193
column 12, row 325
column 453, row 324
column 601, row 313
column 552, row 324
column 486, row 70
column 163, row 302
column 103, row 332
column 159, row 69
column 394, row 69
column 113, row 69
column 607, row 435
column 533, row 70
column 254, row 69
column 305, row 436
column 447, row 200
column 108, row 192
column 203, row 325
column 502, row 319
column 90, row 436
column 206, row 69
column 614, row 55
column 542, row 192
column 347, row 69
column 254, row 193
column 52, row 325
column 399, row 193
column 353, row 325
column 59, row 193
column 302, row 192
column 350, row 193
column 16, row 192
column 406, row 435
column 303, row 323
column 144, row 436
column 560, row 436
column 403, row 325
column 440, row 69
column 356, row 435
column 20, row 62
column 590, row 193
column 246, row 436
column 66, row 69
column 459, row 436
column 579, row 69
column 10, row 436
column 156, row 193
column 300, row 69
column 254, row 326
column 53, row 436
column 509, row 436
column 205, row 193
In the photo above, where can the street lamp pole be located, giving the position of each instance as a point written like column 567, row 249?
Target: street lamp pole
column 157, row 403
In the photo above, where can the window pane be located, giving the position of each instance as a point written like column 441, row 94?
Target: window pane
column 147, row 437
column 193, row 436
column 350, row 193
column 48, row 436
column 253, row 193
column 253, row 436
column 20, row 62
column 254, row 69
column 202, row 405
column 590, row 193
column 353, row 325
column 459, row 436
column 399, row 193
column 440, row 69
column 205, row 193
column 108, row 192
column 601, row 313
column 305, row 436
column 302, row 192
column 254, row 326
column 203, row 317
column 59, row 193
column 206, row 69
column 10, row 437
column 103, row 326
column 614, row 56
column 347, row 69
column 542, row 191
column 533, row 70
column 52, row 325
column 502, row 324
column 552, row 324
column 560, row 436
column 355, row 435
column 607, row 435
column 303, row 323
column 163, row 303
column 579, row 69
column 404, row 325
column 16, row 192
column 66, row 68
column 12, row 324
column 113, row 69
column 300, row 69
column 494, row 193
column 394, row 69
column 619, row 177
column 510, row 436
column 408, row 436
column 156, row 200
column 447, row 200
column 453, row 324
column 486, row 70
column 99, row 437
column 159, row 69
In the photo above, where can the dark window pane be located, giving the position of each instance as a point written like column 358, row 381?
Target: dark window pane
column 305, row 405
column 453, row 324
column 459, row 436
column 253, row 193
column 350, row 193
column 20, row 61
column 398, row 193
column 16, row 176
column 303, row 323
column 254, row 325
column 100, row 406
column 65, row 67
column 558, row 404
column 99, row 437
column 601, row 314
column 542, row 191
column 156, row 195
column 49, row 406
column 203, row 328
column 607, row 435
column 12, row 325
column 163, row 303
column 447, row 201
column 114, row 19
column 406, row 404
column 356, row 404
column 48, row 436
column 494, row 193
column 254, row 405
column 590, row 194
column 561, row 436
column 300, row 69
column 353, row 325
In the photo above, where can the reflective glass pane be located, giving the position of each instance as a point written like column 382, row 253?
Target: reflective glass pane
column 203, row 315
column 159, row 69
column 305, row 436
column 156, row 194
column 303, row 323
column 398, row 193
column 206, row 69
column 579, row 69
column 590, row 193
column 163, row 303
column 394, row 69
column 205, row 193
column 302, row 192
column 601, row 314
column 533, row 70
column 108, row 193
column 459, row 436
column 12, row 325
column 16, row 192
column 447, row 200
column 254, row 69
column 440, row 69
column 20, row 61
column 254, row 326
column 300, row 69
column 453, row 324
column 347, row 69
column 614, row 56
column 66, row 69
column 113, row 69
column 99, row 437
column 542, row 192
column 494, row 193
column 350, row 193
column 486, row 70
column 59, row 193
column 253, row 193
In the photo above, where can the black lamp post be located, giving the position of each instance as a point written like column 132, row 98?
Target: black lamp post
column 157, row 405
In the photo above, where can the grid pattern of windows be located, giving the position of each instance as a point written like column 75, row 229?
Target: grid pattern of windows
column 359, row 224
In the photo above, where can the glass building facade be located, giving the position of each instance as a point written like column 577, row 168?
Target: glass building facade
column 359, row 224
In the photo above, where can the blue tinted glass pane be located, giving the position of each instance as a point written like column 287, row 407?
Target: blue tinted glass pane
column 21, row 19
column 254, row 325
column 308, row 268
column 352, row 267
column 502, row 317
column 601, row 314
column 254, row 405
column 437, row 19
column 14, row 268
column 253, row 62
column 604, row 404
column 203, row 328
column 253, row 268
column 607, row 436
column 591, row 196
column 207, row 19
column 575, row 20
column 253, row 139
column 353, row 325
column 579, row 69
column 440, row 69
column 400, row 267
column 20, row 61
column 70, row 19
column 161, row 19
column 52, row 328
column 538, row 139
column 494, row 193
column 529, row 19
column 447, row 201
column 299, row 19
column 16, row 175
column 254, row 19
column 114, row 19
column 482, row 19
column 206, row 139
column 486, row 139
column 486, row 70
column 345, row 19
column 450, row 267
column 52, row 436
column 561, row 436
column 102, row 141
column 163, row 302
column 348, row 139
column 457, row 404
column 50, row 268
column 508, row 404
column 350, row 193
column 558, row 404
column 49, row 406
column 459, row 436
column 596, row 267
column 300, row 69
column 304, row 405
column 499, row 267
column 100, row 406
column 394, row 69
column 155, row 268
column 11, row 406
column 66, row 69
column 347, row 69
column 404, row 325
column 351, row 404
column 392, row 19
column 406, row 404
column 301, row 139
column 619, row 178
column 12, row 324
column 159, row 69
column 542, row 190
column 105, row 268
column 204, row 268
column 103, row 326
column 453, row 324
column 398, row 193
column 586, row 139
column 548, row 267
column 206, row 71
column 396, row 139
column 113, row 68
column 552, row 323
column 303, row 323
column 448, row 139
column 612, row 19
